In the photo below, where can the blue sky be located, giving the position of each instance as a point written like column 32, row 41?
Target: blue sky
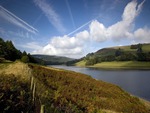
column 74, row 28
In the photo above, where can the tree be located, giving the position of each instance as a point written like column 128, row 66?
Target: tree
column 24, row 53
column 91, row 61
column 25, row 59
column 141, row 56
column 10, row 52
column 118, row 52
column 139, row 48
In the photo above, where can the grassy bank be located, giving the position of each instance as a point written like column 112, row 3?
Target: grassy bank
column 73, row 92
column 118, row 65
column 62, row 91
column 15, row 95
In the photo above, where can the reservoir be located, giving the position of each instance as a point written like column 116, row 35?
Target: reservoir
column 136, row 82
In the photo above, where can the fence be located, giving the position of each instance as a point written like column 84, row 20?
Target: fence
column 36, row 88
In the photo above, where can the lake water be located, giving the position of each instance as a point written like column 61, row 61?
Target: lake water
column 136, row 82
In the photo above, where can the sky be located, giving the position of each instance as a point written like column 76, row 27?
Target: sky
column 74, row 28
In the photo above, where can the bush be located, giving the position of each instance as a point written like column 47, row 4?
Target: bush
column 25, row 59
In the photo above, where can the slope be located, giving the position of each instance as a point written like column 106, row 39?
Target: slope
column 52, row 60
column 61, row 91
column 139, row 53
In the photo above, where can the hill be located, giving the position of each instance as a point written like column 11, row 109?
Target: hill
column 123, row 49
column 138, row 52
column 61, row 91
column 52, row 60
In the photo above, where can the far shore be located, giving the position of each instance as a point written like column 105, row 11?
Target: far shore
column 118, row 65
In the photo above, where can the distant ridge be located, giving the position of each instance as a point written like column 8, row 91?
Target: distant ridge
column 52, row 59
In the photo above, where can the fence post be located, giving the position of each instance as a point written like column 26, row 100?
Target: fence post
column 34, row 88
column 42, row 109
column 31, row 87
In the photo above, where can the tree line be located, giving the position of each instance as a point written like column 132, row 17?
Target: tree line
column 9, row 52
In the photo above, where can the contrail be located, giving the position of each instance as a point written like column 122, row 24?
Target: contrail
column 70, row 12
column 14, row 16
column 82, row 26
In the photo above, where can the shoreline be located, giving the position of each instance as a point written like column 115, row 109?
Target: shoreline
column 14, row 65
column 121, row 65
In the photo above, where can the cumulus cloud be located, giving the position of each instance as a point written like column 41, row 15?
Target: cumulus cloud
column 65, row 45
column 120, row 30
column 75, row 45
column 98, row 32
column 142, row 35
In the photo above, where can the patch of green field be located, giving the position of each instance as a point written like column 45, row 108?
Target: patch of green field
column 125, row 65
column 118, row 65
column 80, row 64
column 125, row 48
column 146, row 47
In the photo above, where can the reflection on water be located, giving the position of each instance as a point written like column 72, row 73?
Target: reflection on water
column 136, row 82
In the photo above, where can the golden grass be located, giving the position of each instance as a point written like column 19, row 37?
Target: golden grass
column 146, row 103
column 17, row 69
column 78, row 92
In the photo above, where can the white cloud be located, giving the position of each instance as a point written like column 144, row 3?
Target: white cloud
column 52, row 16
column 64, row 42
column 10, row 17
column 66, row 46
column 120, row 30
column 142, row 35
column 98, row 31
column 76, row 45
column 84, row 35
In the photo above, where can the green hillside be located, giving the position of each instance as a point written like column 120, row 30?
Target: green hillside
column 134, row 53
column 128, row 48
column 52, row 60
column 145, row 47
column 61, row 91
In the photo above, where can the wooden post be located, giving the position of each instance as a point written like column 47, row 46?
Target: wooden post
column 42, row 109
column 34, row 88
column 31, row 83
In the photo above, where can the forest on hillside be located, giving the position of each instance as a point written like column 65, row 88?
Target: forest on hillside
column 9, row 52
column 133, row 53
